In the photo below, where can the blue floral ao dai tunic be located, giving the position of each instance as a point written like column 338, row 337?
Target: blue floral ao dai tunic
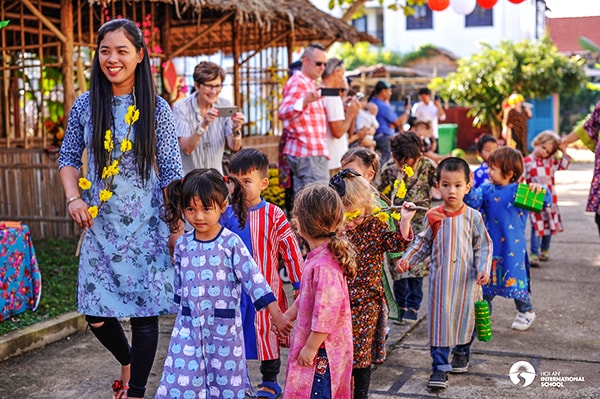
column 125, row 268
column 506, row 225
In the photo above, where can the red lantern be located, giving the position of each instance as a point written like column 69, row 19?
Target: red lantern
column 438, row 5
column 516, row 1
column 487, row 3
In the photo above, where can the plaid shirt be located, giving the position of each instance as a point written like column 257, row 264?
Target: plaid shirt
column 306, row 127
column 541, row 171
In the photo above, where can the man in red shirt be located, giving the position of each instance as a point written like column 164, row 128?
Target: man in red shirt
column 304, row 120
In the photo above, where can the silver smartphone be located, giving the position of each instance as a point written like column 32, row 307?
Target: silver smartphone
column 226, row 112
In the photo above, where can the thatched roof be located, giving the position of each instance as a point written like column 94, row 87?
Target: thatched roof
column 255, row 24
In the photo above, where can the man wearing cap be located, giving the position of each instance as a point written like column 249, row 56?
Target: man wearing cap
column 305, row 122
column 389, row 121
column 429, row 111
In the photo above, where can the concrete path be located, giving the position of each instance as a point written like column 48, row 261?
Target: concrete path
column 564, row 341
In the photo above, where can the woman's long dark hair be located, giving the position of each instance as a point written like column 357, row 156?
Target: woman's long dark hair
column 101, row 95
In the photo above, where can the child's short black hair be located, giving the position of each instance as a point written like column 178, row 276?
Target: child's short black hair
column 453, row 164
column 247, row 160
column 486, row 138
column 406, row 145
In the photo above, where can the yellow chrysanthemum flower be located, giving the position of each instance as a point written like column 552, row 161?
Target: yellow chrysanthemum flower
column 93, row 211
column 396, row 215
column 108, row 142
column 132, row 115
column 408, row 171
column 383, row 216
column 377, row 209
column 401, row 193
column 84, row 183
column 387, row 190
column 126, row 145
column 105, row 195
column 349, row 216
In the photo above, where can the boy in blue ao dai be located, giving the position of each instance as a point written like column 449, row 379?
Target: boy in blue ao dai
column 506, row 223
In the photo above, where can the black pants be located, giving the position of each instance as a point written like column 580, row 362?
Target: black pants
column 140, row 355
column 362, row 380
column 270, row 369
column 598, row 221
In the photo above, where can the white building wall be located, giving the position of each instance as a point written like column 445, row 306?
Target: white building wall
column 514, row 22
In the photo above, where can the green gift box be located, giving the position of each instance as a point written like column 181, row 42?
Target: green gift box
column 528, row 199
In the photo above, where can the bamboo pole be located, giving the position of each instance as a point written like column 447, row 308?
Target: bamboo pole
column 68, row 67
column 200, row 35
column 45, row 20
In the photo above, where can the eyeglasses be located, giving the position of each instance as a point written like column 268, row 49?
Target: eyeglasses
column 318, row 63
column 212, row 87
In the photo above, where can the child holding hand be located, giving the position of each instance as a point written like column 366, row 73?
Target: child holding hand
column 540, row 167
column 269, row 236
column 212, row 266
column 455, row 238
column 320, row 355
column 372, row 238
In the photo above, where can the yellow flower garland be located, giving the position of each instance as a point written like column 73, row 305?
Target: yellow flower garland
column 112, row 167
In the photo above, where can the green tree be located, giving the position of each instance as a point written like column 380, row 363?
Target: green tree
column 363, row 53
column 353, row 8
column 533, row 68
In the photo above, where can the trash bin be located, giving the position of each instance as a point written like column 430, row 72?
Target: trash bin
column 447, row 137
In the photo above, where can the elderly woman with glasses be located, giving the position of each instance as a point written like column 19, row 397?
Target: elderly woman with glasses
column 202, row 131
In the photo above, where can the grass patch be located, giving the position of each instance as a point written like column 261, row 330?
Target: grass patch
column 58, row 266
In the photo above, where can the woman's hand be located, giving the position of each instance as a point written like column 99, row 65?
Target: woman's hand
column 78, row 210
column 238, row 120
column 211, row 115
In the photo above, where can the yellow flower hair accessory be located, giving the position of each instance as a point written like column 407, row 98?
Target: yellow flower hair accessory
column 350, row 216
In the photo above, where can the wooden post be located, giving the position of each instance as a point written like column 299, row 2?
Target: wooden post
column 68, row 70
column 236, row 59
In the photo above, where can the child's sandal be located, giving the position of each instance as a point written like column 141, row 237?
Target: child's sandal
column 269, row 390
column 119, row 389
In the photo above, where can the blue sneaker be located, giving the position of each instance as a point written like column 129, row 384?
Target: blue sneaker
column 411, row 316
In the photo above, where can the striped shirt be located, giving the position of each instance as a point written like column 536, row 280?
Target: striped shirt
column 459, row 246
column 268, row 235
column 209, row 151
column 307, row 126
